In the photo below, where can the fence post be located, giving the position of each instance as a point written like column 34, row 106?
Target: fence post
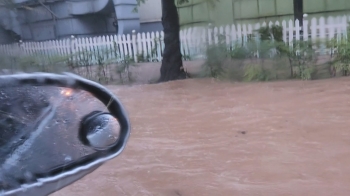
column 210, row 34
column 72, row 47
column 345, row 27
column 305, row 30
column 134, row 45
column 20, row 44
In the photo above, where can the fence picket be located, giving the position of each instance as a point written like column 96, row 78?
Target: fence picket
column 197, row 39
column 120, row 48
column 244, row 34
column 158, row 43
column 210, row 34
column 297, row 29
column 134, row 46
column 239, row 34
column 250, row 30
column 290, row 32
column 233, row 35
column 322, row 29
column 216, row 35
column 144, row 46
column 344, row 26
column 153, row 47
column 313, row 29
column 284, row 26
column 129, row 45
column 125, row 47
column 193, row 40
column 305, row 30
column 331, row 29
column 228, row 35
column 185, row 42
column 338, row 28
column 149, row 46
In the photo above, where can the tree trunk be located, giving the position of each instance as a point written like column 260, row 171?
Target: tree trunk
column 172, row 68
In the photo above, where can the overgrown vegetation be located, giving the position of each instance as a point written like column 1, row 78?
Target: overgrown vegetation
column 101, row 65
column 340, row 54
column 265, row 56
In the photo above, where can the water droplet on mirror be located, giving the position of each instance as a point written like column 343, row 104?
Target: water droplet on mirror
column 101, row 131
column 68, row 158
column 28, row 176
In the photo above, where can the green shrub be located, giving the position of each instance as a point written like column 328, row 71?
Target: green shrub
column 123, row 70
column 254, row 72
column 268, row 33
column 214, row 64
column 306, row 72
column 341, row 61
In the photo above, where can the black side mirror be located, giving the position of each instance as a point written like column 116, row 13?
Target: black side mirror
column 55, row 129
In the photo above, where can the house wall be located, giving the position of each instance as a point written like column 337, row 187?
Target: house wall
column 5, row 36
column 150, row 16
column 59, row 19
column 38, row 24
column 200, row 12
column 151, row 26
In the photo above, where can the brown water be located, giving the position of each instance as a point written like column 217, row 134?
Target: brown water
column 201, row 137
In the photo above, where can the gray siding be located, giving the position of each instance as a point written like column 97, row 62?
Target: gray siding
column 66, row 18
column 151, row 26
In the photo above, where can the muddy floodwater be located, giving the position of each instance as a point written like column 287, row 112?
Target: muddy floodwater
column 206, row 138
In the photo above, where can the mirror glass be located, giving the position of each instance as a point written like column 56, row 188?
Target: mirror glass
column 39, row 130
column 101, row 131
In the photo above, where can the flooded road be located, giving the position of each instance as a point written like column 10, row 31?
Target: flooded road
column 205, row 138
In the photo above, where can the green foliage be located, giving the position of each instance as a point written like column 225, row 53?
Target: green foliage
column 38, row 62
column 216, row 55
column 302, row 56
column 214, row 64
column 268, row 56
column 123, row 70
column 95, row 65
column 152, row 57
column 341, row 60
column 307, row 72
column 239, row 52
column 254, row 72
column 268, row 33
column 103, row 68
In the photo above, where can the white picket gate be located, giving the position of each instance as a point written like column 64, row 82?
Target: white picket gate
column 149, row 46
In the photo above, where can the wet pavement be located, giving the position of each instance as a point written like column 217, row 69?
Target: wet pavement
column 202, row 137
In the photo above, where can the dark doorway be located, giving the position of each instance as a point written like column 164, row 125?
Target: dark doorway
column 298, row 11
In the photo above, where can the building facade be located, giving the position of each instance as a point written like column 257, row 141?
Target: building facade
column 202, row 12
column 55, row 19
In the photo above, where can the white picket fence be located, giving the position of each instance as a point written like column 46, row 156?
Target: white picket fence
column 149, row 46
